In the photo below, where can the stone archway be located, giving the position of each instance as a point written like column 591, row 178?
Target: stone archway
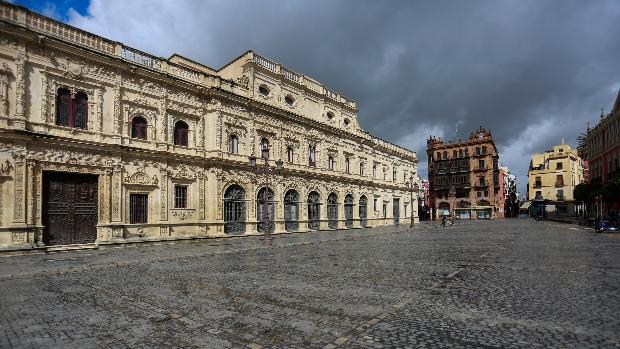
column 291, row 210
column 234, row 210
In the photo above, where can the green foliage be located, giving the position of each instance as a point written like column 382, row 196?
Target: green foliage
column 582, row 191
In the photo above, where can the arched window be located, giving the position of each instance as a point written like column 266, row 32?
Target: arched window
column 138, row 127
column 312, row 155
column 374, row 171
column 346, row 165
column 290, row 155
column 63, row 107
column 233, row 144
column 71, row 112
column 80, row 118
column 330, row 163
column 264, row 147
column 181, row 131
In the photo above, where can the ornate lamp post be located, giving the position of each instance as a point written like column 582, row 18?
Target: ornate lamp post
column 267, row 171
column 413, row 187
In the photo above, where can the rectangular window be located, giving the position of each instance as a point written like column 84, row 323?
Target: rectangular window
column 558, row 166
column 479, row 194
column 375, row 205
column 180, row 196
column 537, row 183
column 484, row 149
column 138, row 208
column 394, row 175
column 481, row 164
column 384, row 210
column 559, row 181
column 361, row 169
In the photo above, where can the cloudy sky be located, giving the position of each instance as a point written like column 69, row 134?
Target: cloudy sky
column 533, row 72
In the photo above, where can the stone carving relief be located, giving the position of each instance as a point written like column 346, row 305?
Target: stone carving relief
column 244, row 81
column 6, row 168
column 94, row 93
column 5, row 75
column 79, row 70
column 182, row 214
column 141, row 178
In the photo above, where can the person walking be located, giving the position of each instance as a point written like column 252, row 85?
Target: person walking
column 443, row 221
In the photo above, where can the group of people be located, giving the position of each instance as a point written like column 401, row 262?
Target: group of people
column 445, row 219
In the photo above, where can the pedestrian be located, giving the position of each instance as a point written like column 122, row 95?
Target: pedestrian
column 443, row 221
column 452, row 219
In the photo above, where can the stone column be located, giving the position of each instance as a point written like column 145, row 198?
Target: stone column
column 19, row 191
column 20, row 91
column 356, row 215
column 341, row 217
column 323, row 225
column 279, row 208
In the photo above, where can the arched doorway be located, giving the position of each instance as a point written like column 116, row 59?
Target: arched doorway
column 332, row 211
column 348, row 211
column 314, row 210
column 363, row 210
column 291, row 210
column 234, row 210
column 260, row 207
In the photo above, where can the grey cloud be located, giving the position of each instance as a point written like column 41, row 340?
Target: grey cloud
column 505, row 65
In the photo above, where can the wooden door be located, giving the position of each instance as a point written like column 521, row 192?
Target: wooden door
column 69, row 208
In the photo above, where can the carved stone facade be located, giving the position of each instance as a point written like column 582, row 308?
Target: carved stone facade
column 184, row 185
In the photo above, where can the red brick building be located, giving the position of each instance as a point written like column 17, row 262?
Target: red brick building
column 602, row 146
column 464, row 177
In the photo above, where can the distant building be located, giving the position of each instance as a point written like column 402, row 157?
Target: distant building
column 508, row 183
column 602, row 149
column 464, row 177
column 552, row 177
column 424, row 203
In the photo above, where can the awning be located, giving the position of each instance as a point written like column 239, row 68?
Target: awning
column 526, row 205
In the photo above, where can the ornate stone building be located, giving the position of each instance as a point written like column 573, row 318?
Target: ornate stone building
column 103, row 143
column 464, row 177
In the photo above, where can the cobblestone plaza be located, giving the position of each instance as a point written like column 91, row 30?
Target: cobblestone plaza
column 511, row 283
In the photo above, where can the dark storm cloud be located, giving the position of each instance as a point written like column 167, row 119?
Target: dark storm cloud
column 531, row 71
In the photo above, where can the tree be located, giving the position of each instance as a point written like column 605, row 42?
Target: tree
column 581, row 193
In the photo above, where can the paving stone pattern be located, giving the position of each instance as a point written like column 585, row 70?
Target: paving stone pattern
column 498, row 284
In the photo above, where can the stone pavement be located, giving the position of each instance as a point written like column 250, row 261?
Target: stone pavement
column 505, row 283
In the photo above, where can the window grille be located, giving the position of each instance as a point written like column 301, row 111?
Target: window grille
column 180, row 196
column 138, row 208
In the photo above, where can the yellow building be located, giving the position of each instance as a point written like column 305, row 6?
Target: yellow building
column 552, row 176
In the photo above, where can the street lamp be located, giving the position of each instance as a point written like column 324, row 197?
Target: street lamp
column 267, row 171
column 412, row 187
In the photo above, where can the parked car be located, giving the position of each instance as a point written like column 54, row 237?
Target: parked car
column 605, row 226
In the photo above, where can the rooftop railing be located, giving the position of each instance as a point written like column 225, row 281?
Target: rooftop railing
column 297, row 78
